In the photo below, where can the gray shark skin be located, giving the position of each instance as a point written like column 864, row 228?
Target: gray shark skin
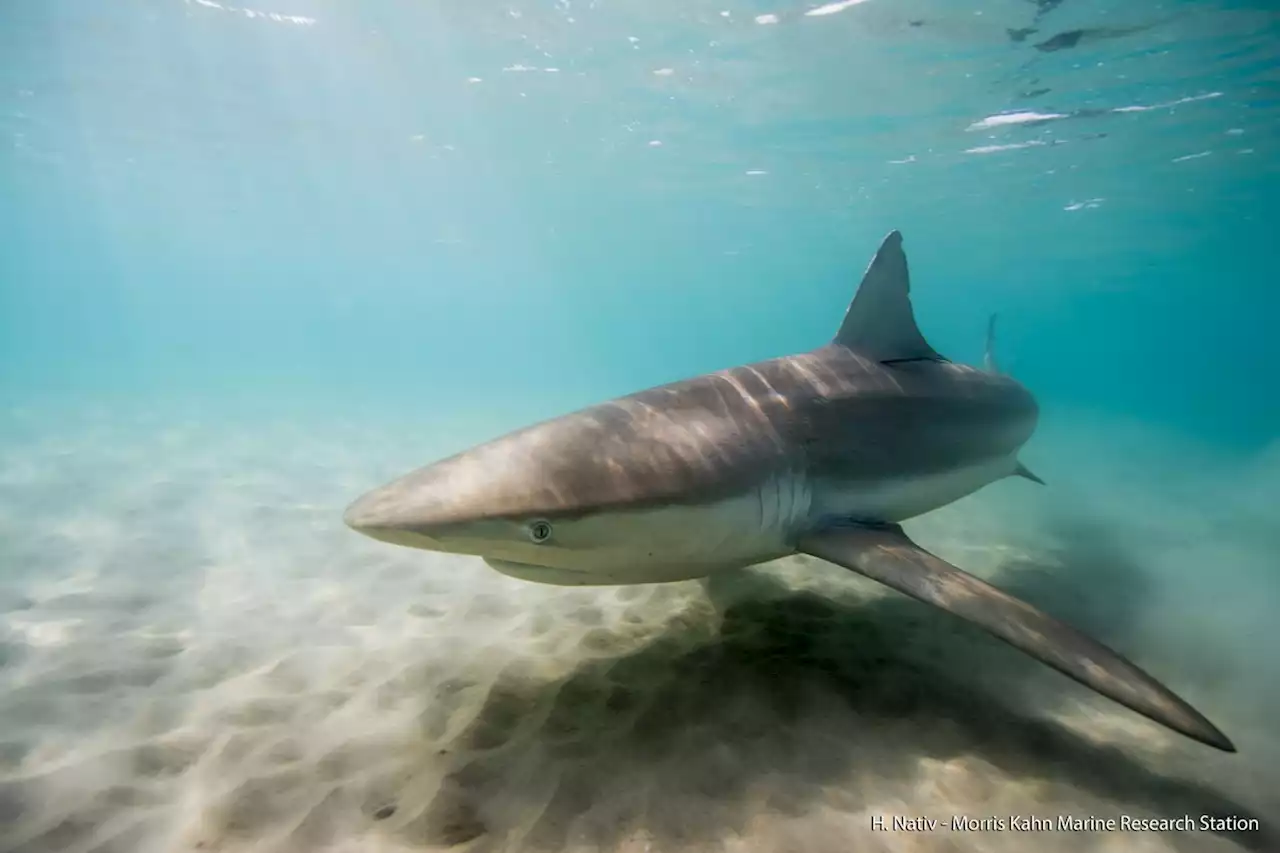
column 822, row 452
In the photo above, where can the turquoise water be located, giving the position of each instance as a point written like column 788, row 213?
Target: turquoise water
column 255, row 260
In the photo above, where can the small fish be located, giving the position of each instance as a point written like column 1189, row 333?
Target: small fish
column 1074, row 38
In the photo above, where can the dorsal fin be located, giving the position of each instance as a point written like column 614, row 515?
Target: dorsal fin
column 989, row 357
column 880, row 323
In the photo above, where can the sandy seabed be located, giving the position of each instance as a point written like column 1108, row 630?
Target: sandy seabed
column 195, row 655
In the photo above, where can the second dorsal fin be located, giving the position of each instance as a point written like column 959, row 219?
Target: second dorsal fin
column 989, row 355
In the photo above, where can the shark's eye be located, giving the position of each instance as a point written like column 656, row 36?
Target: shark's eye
column 540, row 531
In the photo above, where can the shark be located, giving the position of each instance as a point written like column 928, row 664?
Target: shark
column 823, row 453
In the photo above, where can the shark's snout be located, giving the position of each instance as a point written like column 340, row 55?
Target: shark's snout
column 365, row 513
column 429, row 508
column 387, row 514
column 373, row 512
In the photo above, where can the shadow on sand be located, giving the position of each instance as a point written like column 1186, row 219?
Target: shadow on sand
column 689, row 738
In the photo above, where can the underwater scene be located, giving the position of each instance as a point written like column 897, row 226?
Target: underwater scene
column 859, row 425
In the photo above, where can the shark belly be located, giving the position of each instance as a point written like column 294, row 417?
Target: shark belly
column 681, row 542
column 898, row 498
column 612, row 573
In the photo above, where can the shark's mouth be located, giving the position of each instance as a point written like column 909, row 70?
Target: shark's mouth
column 502, row 565
column 543, row 574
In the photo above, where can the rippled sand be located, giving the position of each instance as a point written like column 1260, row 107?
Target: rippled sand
column 195, row 655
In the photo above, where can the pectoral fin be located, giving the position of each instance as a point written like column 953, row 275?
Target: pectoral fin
column 887, row 555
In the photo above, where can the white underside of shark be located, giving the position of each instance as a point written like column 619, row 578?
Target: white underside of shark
column 737, row 531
